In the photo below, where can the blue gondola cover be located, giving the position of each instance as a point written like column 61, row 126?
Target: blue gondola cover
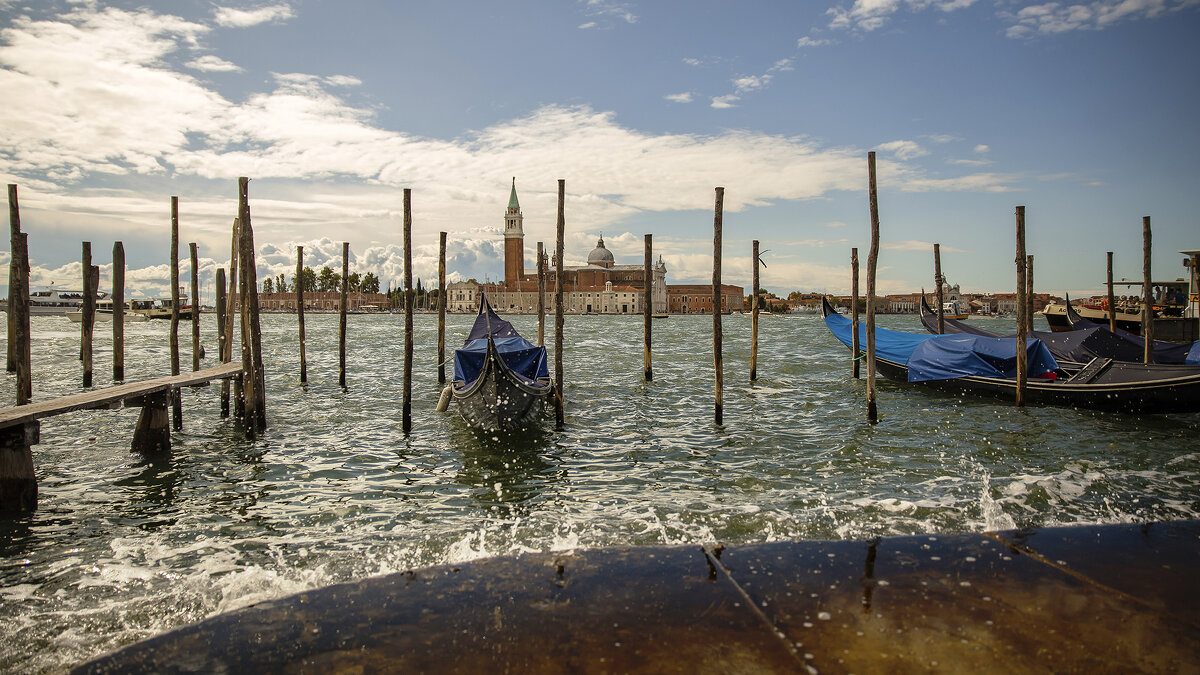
column 945, row 357
column 523, row 357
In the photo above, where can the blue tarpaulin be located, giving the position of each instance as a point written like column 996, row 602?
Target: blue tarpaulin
column 1193, row 355
column 944, row 357
column 521, row 356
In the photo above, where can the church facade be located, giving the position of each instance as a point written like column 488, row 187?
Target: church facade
column 599, row 287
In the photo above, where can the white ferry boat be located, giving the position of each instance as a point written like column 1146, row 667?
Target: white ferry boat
column 55, row 301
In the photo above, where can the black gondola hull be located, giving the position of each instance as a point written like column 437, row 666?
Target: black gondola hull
column 499, row 400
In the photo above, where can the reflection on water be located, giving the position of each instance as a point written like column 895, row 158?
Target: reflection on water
column 125, row 546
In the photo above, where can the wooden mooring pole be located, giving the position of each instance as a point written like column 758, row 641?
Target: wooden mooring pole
column 300, row 312
column 1147, row 295
column 647, row 306
column 1112, row 298
column 14, row 221
column 237, row 297
column 718, row 366
column 342, row 314
column 256, row 400
column 938, row 282
column 754, row 313
column 1022, row 322
column 559, row 399
column 409, row 300
column 872, row 263
column 222, row 342
column 87, row 321
column 118, row 308
column 195, row 307
column 442, row 297
column 176, row 395
column 18, row 481
column 855, row 346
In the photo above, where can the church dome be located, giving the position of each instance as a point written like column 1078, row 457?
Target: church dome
column 601, row 255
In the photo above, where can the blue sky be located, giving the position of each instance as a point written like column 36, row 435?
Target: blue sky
column 1085, row 113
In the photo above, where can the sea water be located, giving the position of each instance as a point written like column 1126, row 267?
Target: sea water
column 125, row 546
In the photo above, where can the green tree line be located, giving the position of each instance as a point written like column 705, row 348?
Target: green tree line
column 325, row 281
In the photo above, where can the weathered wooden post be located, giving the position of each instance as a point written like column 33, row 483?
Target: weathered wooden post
column 442, row 295
column 1029, row 292
column 87, row 322
column 938, row 282
column 754, row 313
column 18, row 481
column 18, row 305
column 195, row 308
column 342, row 314
column 1147, row 295
column 237, row 297
column 1112, row 298
column 409, row 298
column 14, row 220
column 300, row 312
column 647, row 306
column 222, row 342
column 1022, row 323
column 256, row 404
column 718, row 366
column 855, row 347
column 541, row 272
column 559, row 399
column 176, row 395
column 872, row 263
column 118, row 298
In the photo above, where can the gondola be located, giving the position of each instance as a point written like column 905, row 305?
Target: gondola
column 1085, row 341
column 501, row 380
column 1164, row 352
column 976, row 365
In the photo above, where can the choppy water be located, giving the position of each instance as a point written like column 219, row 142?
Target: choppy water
column 124, row 546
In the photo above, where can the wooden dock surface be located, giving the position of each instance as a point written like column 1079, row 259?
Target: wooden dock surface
column 109, row 397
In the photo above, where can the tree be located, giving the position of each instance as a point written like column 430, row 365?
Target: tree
column 354, row 282
column 268, row 285
column 281, row 283
column 370, row 283
column 328, row 280
column 308, row 283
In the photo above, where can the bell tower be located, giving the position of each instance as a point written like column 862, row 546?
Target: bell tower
column 514, row 241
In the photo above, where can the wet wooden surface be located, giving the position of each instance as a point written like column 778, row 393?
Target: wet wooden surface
column 1117, row 598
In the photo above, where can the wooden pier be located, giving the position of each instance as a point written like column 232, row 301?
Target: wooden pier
column 20, row 425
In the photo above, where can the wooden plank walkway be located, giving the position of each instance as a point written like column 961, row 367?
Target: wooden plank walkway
column 110, row 397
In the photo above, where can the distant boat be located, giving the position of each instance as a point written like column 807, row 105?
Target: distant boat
column 54, row 301
column 104, row 312
column 501, row 380
column 160, row 308
column 660, row 316
column 1170, row 303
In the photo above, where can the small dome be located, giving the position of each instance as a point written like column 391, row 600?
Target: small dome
column 600, row 255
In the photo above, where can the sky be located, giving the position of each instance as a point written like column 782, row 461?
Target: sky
column 1084, row 113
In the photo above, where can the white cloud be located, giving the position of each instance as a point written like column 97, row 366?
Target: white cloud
column 1054, row 17
column 807, row 41
column 904, row 149
column 692, row 61
column 869, row 15
column 685, row 97
column 727, row 101
column 244, row 18
column 750, row 83
column 981, row 148
column 213, row 64
column 608, row 9
column 587, row 25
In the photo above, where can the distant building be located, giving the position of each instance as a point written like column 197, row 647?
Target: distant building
column 319, row 302
column 600, row 287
